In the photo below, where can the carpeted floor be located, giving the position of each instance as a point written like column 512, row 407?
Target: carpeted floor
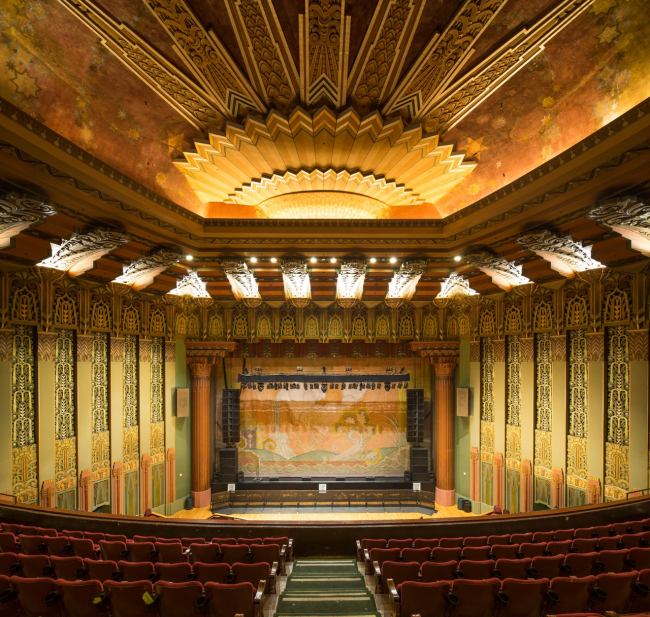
column 326, row 588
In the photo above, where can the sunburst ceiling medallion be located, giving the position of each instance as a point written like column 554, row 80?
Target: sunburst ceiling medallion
column 322, row 205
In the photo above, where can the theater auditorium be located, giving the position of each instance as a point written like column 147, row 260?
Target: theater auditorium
column 324, row 308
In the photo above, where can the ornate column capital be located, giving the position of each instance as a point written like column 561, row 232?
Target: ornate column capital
column 436, row 351
column 208, row 351
column 200, row 368
column 445, row 366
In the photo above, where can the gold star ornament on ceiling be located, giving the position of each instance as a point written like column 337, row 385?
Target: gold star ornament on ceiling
column 602, row 6
column 475, row 147
column 175, row 143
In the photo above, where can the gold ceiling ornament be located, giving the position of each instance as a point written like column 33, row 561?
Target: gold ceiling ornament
column 627, row 216
column 349, row 282
column 297, row 288
column 323, row 150
column 18, row 212
column 141, row 272
column 78, row 254
column 564, row 255
column 455, row 285
column 242, row 282
column 191, row 285
column 404, row 281
column 503, row 273
column 322, row 205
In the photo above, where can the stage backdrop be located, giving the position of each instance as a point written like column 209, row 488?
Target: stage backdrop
column 313, row 433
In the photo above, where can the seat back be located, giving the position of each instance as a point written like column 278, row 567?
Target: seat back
column 58, row 547
column 205, row 553
column 499, row 540
column 234, row 553
column 32, row 545
column 433, row 572
column 526, row 597
column 73, row 534
column 424, row 543
column 30, row 530
column 618, row 588
column 252, row 573
column 265, row 553
column 211, row 572
column 9, row 608
column 249, row 541
column 399, row 572
column 476, row 553
column 83, row 548
column 77, row 598
column 521, row 538
column 442, row 554
column 380, row 555
column 169, row 553
column 641, row 604
column 178, row 599
column 109, row 537
column 559, row 548
column 424, row 599
column 66, row 567
column 284, row 541
column 475, row 598
column 611, row 543
column 532, row 550
column 451, row 542
column 369, row 544
column 513, row 568
column 141, row 551
column 7, row 560
column 612, row 561
column 229, row 600
column 500, row 551
column 11, row 528
column 172, row 572
column 476, row 541
column 401, row 544
column 477, row 570
column 8, row 542
column 544, row 536
column 641, row 557
column 584, row 533
column 548, row 567
column 632, row 540
column 31, row 594
column 113, row 551
column 132, row 572
column 186, row 542
column 151, row 539
column 564, row 534
column 32, row 565
column 602, row 531
column 99, row 570
column 94, row 536
column 421, row 555
column 221, row 541
column 582, row 564
column 574, row 594
column 125, row 598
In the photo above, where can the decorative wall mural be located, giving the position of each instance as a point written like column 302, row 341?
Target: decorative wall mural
column 157, row 416
column 577, row 446
column 543, row 468
column 100, row 449
column 335, row 432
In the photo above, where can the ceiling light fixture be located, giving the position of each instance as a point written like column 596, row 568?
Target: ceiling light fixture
column 373, row 260
column 273, row 259
column 457, row 258
column 254, row 259
column 393, row 260
column 313, row 260
column 333, row 260
column 189, row 257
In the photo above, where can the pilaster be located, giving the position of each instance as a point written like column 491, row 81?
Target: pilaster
column 45, row 408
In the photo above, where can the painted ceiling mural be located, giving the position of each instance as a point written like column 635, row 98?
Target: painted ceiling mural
column 55, row 68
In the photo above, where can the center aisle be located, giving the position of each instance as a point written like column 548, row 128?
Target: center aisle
column 326, row 587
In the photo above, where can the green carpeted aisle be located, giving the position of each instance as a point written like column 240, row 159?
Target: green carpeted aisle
column 326, row 588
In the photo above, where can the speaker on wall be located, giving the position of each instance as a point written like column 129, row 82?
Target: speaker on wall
column 414, row 415
column 228, row 464
column 462, row 402
column 230, row 416
column 419, row 460
column 182, row 402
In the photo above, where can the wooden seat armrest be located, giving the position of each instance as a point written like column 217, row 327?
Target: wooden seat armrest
column 377, row 569
column 392, row 590
column 359, row 551
column 272, row 578
column 259, row 594
column 283, row 560
column 366, row 555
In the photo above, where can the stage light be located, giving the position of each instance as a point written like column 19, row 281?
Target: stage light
column 342, row 386
column 348, row 368
column 331, row 386
column 189, row 257
column 406, row 385
column 254, row 260
column 393, row 260
column 387, row 387
column 324, row 387
column 260, row 386
column 286, row 386
column 258, row 369
column 333, row 260
column 373, row 260
column 313, row 260
column 273, row 259
column 299, row 369
column 393, row 386
column 399, row 385
column 305, row 385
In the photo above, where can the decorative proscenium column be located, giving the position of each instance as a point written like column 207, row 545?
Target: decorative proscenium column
column 201, row 355
column 445, row 356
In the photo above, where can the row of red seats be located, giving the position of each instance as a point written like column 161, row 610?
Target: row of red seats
column 44, row 597
column 75, row 568
column 516, row 598
column 577, row 565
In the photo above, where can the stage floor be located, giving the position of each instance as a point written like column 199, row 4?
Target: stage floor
column 442, row 512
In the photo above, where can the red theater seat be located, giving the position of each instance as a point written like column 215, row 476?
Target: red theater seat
column 476, row 570
column 582, row 564
column 249, row 541
column 401, row 544
column 424, row 543
column 229, row 600
column 548, row 567
column 73, row 534
column 93, row 536
column 187, row 542
column 29, row 530
column 532, row 550
column 141, row 551
column 8, row 608
column 612, row 543
column 32, row 593
column 47, row 532
column 521, row 538
column 253, row 573
column 525, row 598
column 476, row 553
column 379, row 555
column 113, row 551
column 618, row 589
column 77, row 598
column 172, row 572
column 211, row 572
column 31, row 566
column 475, row 598
column 611, row 561
column 8, row 543
column 451, row 542
column 132, row 572
column 83, row 548
column 58, row 547
column 8, row 564
column 584, row 533
column 97, row 570
column 221, row 541
column 398, row 572
column 11, row 528
column 366, row 545
column 564, row 534
column 500, row 551
column 499, row 540
column 544, row 536
column 109, row 537
column 441, row 554
column 178, row 599
column 559, row 548
column 602, row 531
column 169, row 541
column 271, row 554
column 574, row 594
column 32, row 545
column 234, row 553
column 151, row 539
column 66, row 568
column 476, row 541
column 421, row 555
column 205, row 553
column 434, row 572
column 641, row 557
column 125, row 598
column 513, row 568
column 634, row 540
column 169, row 553
column 640, row 602
column 424, row 599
